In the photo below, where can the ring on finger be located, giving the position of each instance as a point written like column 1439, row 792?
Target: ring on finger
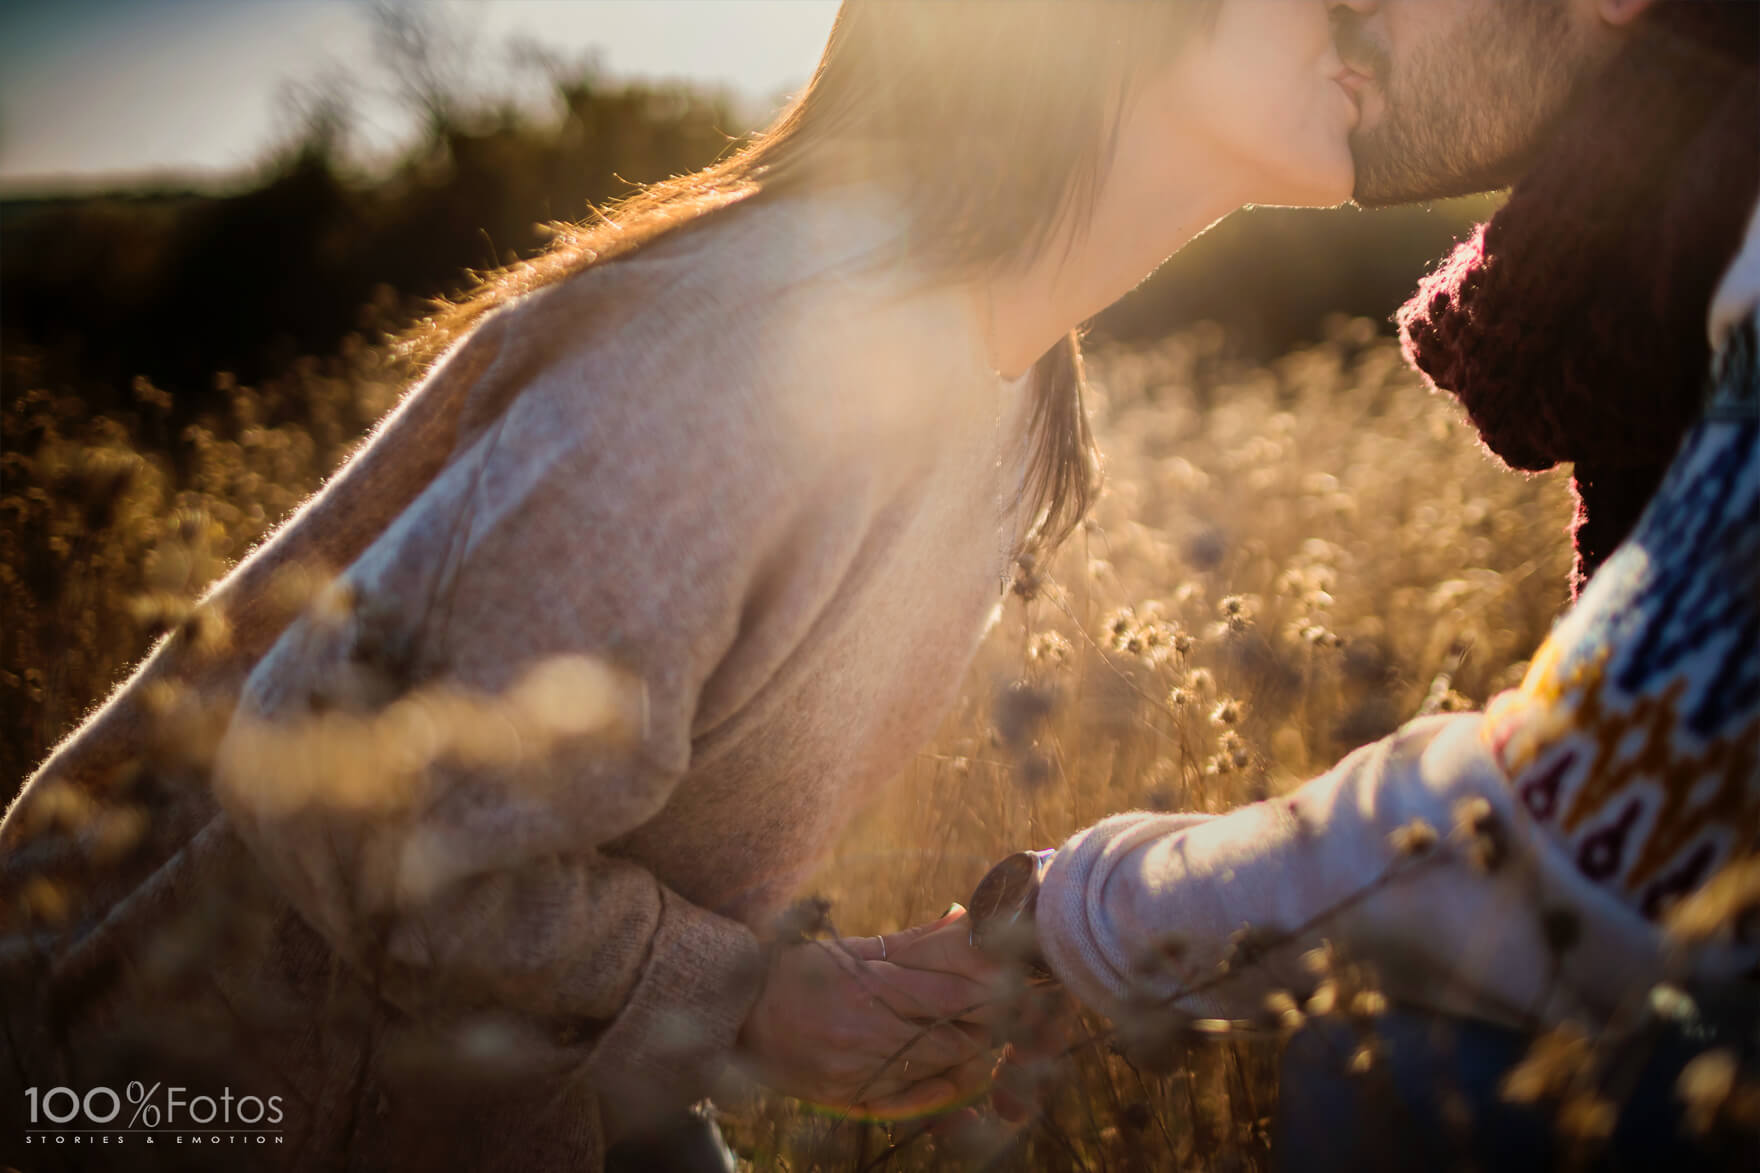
column 882, row 941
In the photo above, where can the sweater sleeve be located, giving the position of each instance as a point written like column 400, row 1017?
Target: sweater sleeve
column 434, row 763
column 1139, row 909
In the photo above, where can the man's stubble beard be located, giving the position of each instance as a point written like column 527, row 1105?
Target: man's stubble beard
column 1466, row 114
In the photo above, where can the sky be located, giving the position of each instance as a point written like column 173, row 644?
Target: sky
column 96, row 89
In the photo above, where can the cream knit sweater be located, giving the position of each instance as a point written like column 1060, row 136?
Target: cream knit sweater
column 762, row 491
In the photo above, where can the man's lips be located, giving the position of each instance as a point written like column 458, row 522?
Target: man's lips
column 1354, row 82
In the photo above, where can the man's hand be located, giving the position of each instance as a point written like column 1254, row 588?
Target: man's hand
column 837, row 1024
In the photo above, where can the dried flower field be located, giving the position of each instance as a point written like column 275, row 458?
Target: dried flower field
column 1290, row 559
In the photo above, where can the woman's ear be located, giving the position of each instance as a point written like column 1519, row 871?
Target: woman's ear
column 1622, row 12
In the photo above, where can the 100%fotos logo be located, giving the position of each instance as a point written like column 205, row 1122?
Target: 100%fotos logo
column 93, row 1118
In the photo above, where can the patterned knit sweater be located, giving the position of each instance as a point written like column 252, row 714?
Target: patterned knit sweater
column 1569, row 818
column 642, row 592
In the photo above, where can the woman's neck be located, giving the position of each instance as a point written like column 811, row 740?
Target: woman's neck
column 1143, row 215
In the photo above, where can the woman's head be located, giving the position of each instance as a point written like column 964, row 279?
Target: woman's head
column 1002, row 120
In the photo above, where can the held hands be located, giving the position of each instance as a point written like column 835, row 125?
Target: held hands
column 903, row 1025
column 889, row 1027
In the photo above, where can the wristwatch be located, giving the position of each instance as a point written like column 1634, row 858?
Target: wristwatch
column 1002, row 907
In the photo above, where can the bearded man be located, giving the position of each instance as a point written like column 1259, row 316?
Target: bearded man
column 1574, row 857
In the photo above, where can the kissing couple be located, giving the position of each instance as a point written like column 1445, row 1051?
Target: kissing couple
column 682, row 542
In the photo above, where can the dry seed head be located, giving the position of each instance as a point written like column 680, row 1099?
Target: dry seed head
column 1553, row 1062
column 1150, row 1031
column 1248, row 945
column 1587, row 1117
column 1321, row 960
column 152, row 396
column 1165, row 953
column 295, row 585
column 803, row 920
column 1672, row 1004
column 1453, row 702
column 1020, row 710
column 162, row 697
column 58, row 806
column 160, row 611
column 1033, row 772
column 1228, row 711
column 1118, row 626
column 1050, row 649
column 100, row 483
column 1286, row 1010
column 193, row 527
column 1483, row 832
column 1171, row 946
column 333, row 603
column 45, row 902
column 1704, row 1085
column 115, row 834
column 1415, row 838
column 206, row 632
column 1725, row 906
column 1163, row 643
column 574, row 696
column 377, row 761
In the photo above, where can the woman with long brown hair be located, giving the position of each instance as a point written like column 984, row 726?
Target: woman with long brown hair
column 677, row 551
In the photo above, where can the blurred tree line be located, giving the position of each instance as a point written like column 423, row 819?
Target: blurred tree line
column 176, row 285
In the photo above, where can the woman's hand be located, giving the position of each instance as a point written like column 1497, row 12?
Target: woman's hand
column 893, row 1029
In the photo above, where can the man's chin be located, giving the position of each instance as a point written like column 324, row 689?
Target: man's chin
column 1393, row 197
column 1379, row 185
